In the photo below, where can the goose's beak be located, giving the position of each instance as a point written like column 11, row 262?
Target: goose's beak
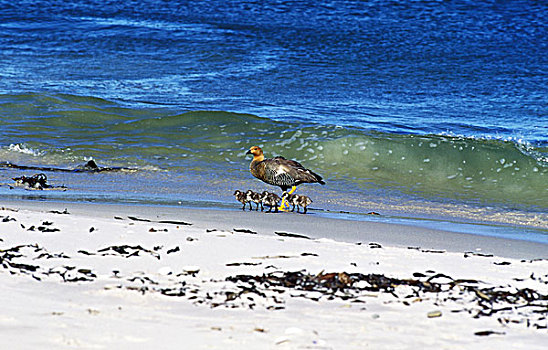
column 248, row 151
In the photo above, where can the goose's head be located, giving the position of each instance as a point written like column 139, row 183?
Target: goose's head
column 257, row 153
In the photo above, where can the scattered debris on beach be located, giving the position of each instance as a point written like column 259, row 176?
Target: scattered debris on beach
column 172, row 222
column 244, row 230
column 35, row 182
column 45, row 227
column 64, row 212
column 39, row 181
column 89, row 166
column 126, row 251
column 253, row 282
column 293, row 235
column 270, row 290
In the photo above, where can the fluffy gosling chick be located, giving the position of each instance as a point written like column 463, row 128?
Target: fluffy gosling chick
column 242, row 198
column 290, row 199
column 303, row 201
column 255, row 198
column 270, row 200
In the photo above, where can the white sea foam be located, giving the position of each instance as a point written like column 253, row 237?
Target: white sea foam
column 22, row 148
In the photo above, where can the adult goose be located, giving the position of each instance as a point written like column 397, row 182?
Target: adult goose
column 280, row 172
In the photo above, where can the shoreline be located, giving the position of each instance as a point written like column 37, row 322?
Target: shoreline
column 120, row 276
column 166, row 189
column 317, row 227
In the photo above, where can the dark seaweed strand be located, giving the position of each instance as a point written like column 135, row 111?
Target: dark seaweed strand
column 333, row 283
column 81, row 169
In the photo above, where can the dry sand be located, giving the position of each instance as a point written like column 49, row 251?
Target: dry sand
column 120, row 277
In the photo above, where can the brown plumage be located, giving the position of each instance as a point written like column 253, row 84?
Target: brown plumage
column 279, row 171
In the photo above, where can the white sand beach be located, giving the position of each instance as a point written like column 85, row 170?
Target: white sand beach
column 90, row 276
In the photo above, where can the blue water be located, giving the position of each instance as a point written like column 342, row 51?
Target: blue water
column 428, row 108
column 464, row 68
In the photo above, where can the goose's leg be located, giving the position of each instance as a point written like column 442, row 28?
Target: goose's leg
column 282, row 206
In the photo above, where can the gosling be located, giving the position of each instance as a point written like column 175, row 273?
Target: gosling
column 298, row 200
column 255, row 198
column 290, row 199
column 270, row 200
column 303, row 201
column 242, row 198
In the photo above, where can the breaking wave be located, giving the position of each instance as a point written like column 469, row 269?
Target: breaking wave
column 63, row 130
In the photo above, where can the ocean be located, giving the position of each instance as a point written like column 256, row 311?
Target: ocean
column 430, row 112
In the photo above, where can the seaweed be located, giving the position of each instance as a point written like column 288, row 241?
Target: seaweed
column 89, row 167
column 244, row 230
column 65, row 212
column 173, row 250
column 508, row 304
column 174, row 222
column 293, row 235
column 127, row 251
column 7, row 219
column 489, row 301
column 67, row 273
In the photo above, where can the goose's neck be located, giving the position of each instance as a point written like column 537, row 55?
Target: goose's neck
column 258, row 158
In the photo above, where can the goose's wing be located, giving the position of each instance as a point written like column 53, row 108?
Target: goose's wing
column 290, row 172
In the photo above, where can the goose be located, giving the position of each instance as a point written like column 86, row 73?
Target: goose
column 280, row 172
